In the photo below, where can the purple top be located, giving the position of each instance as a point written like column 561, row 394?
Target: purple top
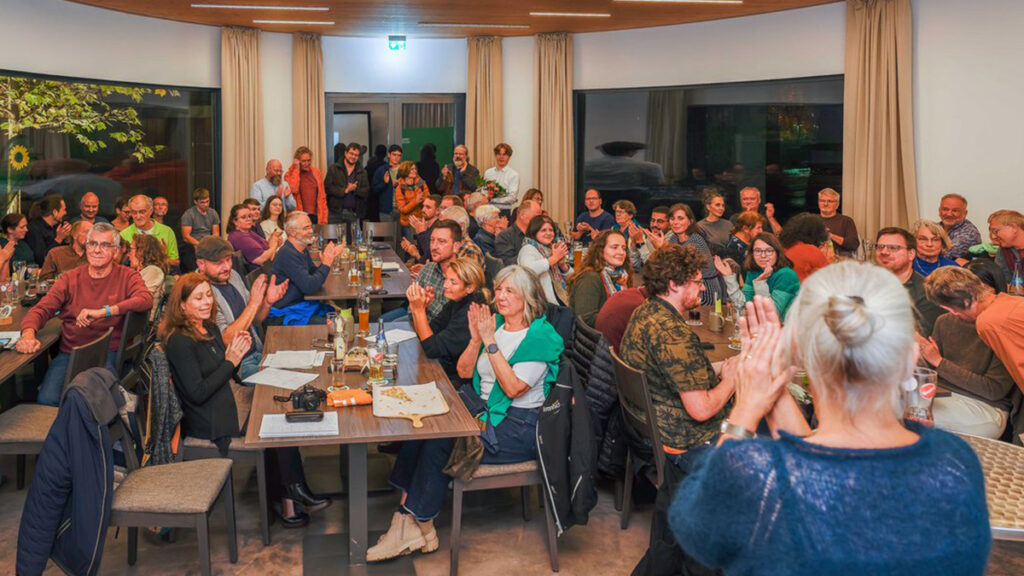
column 250, row 244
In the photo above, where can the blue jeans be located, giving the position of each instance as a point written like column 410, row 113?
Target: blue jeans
column 400, row 314
column 52, row 386
column 419, row 470
column 249, row 365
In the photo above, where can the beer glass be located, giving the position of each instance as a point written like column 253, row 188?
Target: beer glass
column 735, row 342
column 577, row 255
column 363, row 308
column 354, row 277
column 378, row 271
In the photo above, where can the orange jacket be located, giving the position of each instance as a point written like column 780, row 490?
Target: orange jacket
column 292, row 178
column 409, row 200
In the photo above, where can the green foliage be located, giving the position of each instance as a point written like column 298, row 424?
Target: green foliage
column 78, row 109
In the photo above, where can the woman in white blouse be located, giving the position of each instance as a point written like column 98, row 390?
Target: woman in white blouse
column 546, row 258
column 272, row 217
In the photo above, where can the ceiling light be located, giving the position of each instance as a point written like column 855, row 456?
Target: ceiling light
column 460, row 25
column 688, row 1
column 258, row 7
column 301, row 22
column 573, row 14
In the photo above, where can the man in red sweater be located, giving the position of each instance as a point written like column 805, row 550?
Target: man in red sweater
column 90, row 299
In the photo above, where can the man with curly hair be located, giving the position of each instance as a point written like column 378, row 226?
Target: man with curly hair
column 690, row 396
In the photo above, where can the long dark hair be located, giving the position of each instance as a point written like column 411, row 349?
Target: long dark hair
column 593, row 260
column 693, row 229
column 265, row 212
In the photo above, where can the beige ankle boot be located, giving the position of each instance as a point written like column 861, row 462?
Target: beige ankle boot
column 429, row 536
column 403, row 537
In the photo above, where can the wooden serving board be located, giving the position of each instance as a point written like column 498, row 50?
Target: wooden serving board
column 411, row 402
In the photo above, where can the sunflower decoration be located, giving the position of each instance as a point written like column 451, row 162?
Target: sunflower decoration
column 18, row 157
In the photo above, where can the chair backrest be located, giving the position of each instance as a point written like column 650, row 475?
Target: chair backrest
column 381, row 231
column 133, row 340
column 252, row 276
column 637, row 411
column 335, row 232
column 118, row 431
column 91, row 355
column 238, row 263
column 492, row 266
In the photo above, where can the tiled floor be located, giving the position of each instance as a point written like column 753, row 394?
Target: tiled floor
column 496, row 541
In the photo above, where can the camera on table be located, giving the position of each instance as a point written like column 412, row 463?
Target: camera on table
column 306, row 398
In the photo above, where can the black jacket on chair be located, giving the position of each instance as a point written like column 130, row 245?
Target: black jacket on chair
column 593, row 360
column 67, row 509
column 565, row 450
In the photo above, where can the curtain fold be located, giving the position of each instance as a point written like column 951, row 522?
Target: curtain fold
column 666, row 132
column 241, row 114
column 553, row 151
column 483, row 99
column 308, row 97
column 879, row 179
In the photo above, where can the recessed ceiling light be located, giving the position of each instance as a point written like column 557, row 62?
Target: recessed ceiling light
column 573, row 14
column 258, row 7
column 688, row 1
column 302, row 22
column 461, row 25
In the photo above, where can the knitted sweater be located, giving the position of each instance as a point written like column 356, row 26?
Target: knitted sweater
column 791, row 507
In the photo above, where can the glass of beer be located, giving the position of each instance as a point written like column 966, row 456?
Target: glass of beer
column 378, row 272
column 693, row 317
column 577, row 254
column 735, row 343
column 354, row 279
column 361, row 252
column 368, row 269
column 376, row 366
column 363, row 309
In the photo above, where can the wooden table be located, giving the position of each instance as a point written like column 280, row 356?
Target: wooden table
column 719, row 339
column 358, row 426
column 395, row 282
column 10, row 360
column 1003, row 466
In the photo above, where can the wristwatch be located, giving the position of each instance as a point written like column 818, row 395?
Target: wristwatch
column 492, row 349
column 730, row 429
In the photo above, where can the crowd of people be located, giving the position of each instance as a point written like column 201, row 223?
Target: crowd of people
column 490, row 267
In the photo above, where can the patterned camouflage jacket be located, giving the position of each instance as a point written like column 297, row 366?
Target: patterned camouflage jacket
column 659, row 342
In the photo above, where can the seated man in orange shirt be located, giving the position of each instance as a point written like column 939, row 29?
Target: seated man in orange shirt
column 999, row 317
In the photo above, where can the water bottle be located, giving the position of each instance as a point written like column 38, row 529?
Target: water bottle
column 1016, row 286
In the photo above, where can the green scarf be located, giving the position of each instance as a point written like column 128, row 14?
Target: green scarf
column 542, row 344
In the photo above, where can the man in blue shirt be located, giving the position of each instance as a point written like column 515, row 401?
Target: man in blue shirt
column 593, row 220
column 294, row 264
column 273, row 185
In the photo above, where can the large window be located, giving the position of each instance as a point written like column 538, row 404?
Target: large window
column 169, row 151
column 658, row 146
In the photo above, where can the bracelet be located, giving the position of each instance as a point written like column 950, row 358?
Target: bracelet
column 106, row 308
column 729, row 429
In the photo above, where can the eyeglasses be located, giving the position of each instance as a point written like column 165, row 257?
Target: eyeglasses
column 927, row 240
column 589, row 198
column 764, row 251
column 993, row 230
column 94, row 245
column 889, row 247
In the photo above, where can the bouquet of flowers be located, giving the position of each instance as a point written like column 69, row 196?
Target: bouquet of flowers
column 491, row 188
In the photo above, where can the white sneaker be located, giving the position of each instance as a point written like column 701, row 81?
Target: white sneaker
column 403, row 537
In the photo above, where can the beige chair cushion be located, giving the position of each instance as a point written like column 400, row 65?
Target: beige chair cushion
column 236, row 444
column 176, row 488
column 26, row 423
column 487, row 470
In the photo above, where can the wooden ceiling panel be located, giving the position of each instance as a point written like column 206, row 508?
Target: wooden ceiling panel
column 382, row 17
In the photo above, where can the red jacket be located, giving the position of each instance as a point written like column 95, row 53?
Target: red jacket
column 292, row 178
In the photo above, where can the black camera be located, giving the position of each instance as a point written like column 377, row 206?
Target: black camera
column 306, row 398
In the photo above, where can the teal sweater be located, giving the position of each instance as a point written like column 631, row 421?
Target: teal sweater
column 783, row 285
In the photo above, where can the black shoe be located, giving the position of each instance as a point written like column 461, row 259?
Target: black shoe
column 299, row 520
column 301, row 493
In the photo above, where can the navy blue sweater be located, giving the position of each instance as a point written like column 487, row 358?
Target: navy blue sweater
column 304, row 277
column 792, row 507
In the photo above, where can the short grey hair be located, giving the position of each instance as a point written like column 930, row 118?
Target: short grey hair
column 527, row 285
column 459, row 214
column 830, row 192
column 851, row 327
column 752, row 188
column 103, row 228
column 474, row 201
column 934, row 228
column 147, row 199
column 486, row 213
column 291, row 223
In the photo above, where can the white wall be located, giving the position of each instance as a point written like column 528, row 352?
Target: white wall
column 518, row 87
column 276, row 78
column 367, row 65
column 69, row 39
column 969, row 124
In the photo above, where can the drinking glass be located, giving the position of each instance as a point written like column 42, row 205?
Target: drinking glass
column 376, row 366
column 19, row 270
column 735, row 342
column 378, row 272
column 332, row 325
column 693, row 317
column 363, row 309
column 354, row 276
column 577, row 255
column 918, row 393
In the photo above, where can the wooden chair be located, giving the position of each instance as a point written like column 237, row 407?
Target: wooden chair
column 335, row 232
column 387, row 231
column 638, row 416
column 494, row 476
column 23, row 428
column 180, row 494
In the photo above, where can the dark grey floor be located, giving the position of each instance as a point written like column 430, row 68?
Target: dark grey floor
column 495, row 539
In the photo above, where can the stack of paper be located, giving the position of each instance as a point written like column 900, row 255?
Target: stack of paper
column 294, row 359
column 276, row 426
column 396, row 335
column 391, row 267
column 281, row 378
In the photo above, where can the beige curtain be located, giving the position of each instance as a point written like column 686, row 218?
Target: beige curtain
column 483, row 99
column 241, row 115
column 666, row 132
column 553, row 151
column 308, row 97
column 879, row 182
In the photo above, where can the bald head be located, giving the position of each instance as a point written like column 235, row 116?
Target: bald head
column 274, row 171
column 89, row 206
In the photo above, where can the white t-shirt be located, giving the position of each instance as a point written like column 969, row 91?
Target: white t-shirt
column 531, row 373
column 509, row 179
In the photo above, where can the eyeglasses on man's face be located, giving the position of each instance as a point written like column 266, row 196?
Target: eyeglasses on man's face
column 103, row 246
column 889, row 247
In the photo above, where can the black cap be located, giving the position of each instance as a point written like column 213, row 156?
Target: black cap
column 213, row 249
